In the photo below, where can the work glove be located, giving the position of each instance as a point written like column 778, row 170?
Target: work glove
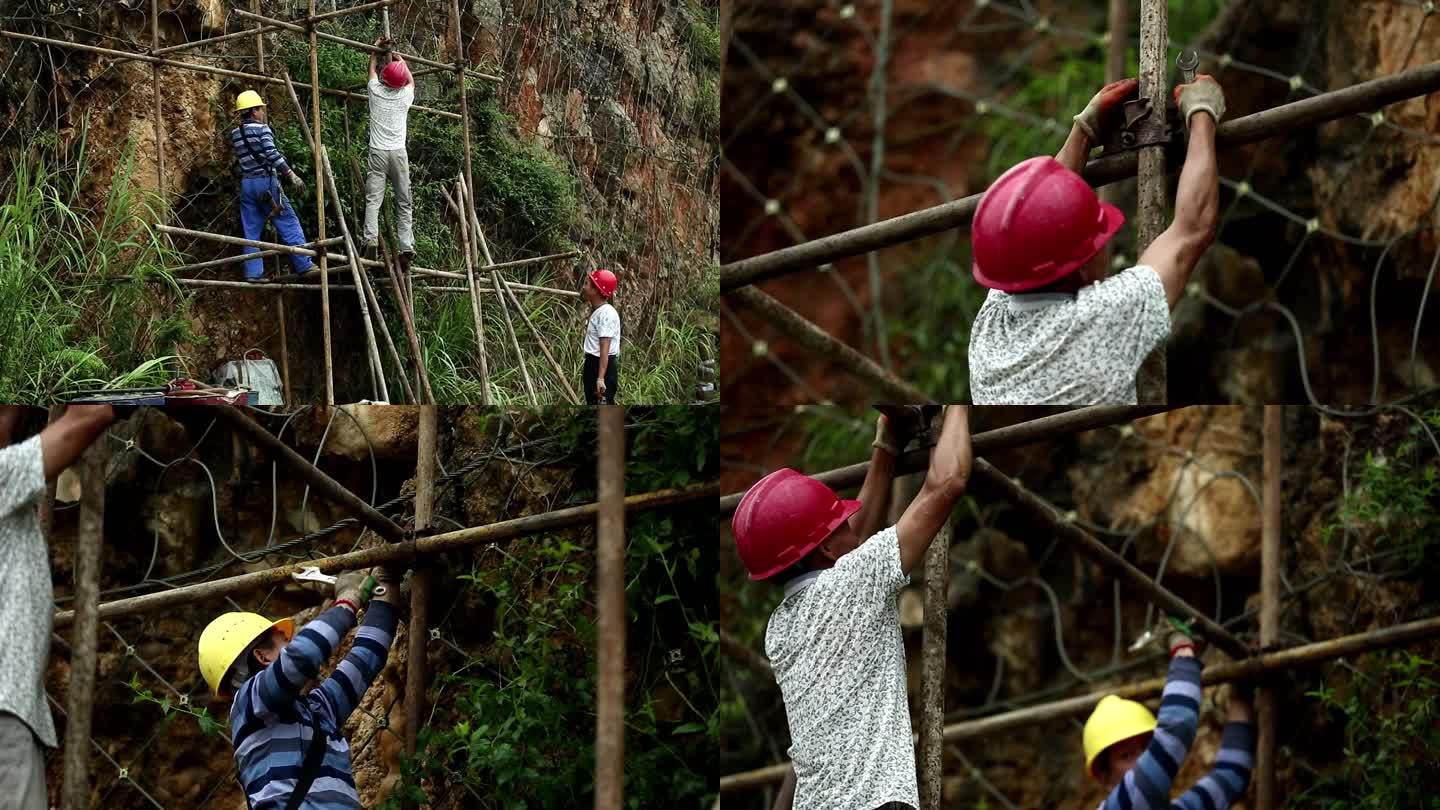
column 1202, row 94
column 354, row 586
column 296, row 182
column 898, row 424
column 1091, row 119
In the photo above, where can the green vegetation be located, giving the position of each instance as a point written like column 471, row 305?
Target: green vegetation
column 85, row 301
column 1390, row 713
column 703, row 40
column 706, row 114
column 1394, row 497
column 512, row 723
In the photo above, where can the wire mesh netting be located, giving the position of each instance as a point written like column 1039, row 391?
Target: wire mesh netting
column 839, row 115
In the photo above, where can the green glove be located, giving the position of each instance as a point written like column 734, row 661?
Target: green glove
column 355, row 586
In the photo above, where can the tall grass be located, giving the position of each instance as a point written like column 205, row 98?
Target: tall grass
column 81, row 285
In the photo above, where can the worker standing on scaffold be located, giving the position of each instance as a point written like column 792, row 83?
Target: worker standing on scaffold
column 27, row 598
column 391, row 94
column 1137, row 756
column 601, row 374
column 834, row 641
column 261, row 200
column 289, row 749
column 1054, row 330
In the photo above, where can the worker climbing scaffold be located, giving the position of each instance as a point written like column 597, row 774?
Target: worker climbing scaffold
column 391, row 94
column 261, row 198
column 1053, row 329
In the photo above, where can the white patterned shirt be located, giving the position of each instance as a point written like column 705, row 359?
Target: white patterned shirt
column 389, row 109
column 1063, row 349
column 27, row 596
column 604, row 322
column 835, row 645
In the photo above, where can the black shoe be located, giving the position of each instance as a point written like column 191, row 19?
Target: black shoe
column 405, row 258
column 259, row 280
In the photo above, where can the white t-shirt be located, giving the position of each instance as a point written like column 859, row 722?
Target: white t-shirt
column 604, row 322
column 1063, row 349
column 389, row 109
column 27, row 597
column 835, row 645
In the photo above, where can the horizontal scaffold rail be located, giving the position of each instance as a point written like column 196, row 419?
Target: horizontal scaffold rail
column 1035, row 430
column 1359, row 98
column 396, row 552
column 269, row 29
column 1305, row 655
column 233, row 74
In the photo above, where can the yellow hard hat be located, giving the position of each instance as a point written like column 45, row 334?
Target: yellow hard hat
column 227, row 637
column 1113, row 720
column 248, row 99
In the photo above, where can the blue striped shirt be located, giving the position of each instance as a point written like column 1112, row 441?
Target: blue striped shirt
column 1147, row 785
column 261, row 141
column 270, row 722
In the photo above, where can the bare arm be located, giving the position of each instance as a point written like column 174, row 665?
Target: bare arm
column 1076, row 151
column 1175, row 252
column 874, row 494
column 62, row 442
column 604, row 359
column 786, row 798
column 944, row 484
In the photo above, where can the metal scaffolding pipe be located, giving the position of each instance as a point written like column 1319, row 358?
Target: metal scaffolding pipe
column 80, row 695
column 422, row 271
column 234, row 74
column 1151, row 189
column 610, row 610
column 1249, row 669
column 1105, row 557
column 418, row 628
column 990, row 441
column 1265, row 703
column 1363, row 97
column 394, row 552
column 264, row 254
column 890, row 388
column 932, row 672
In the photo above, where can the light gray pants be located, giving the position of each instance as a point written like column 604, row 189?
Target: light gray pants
column 395, row 165
column 22, row 767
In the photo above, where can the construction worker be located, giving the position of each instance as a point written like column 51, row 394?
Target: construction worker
column 289, row 749
column 1136, row 756
column 27, row 599
column 391, row 95
column 1053, row 329
column 834, row 640
column 261, row 199
column 602, row 339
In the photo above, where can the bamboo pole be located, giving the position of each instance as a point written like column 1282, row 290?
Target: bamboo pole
column 389, row 341
column 233, row 74
column 1151, row 190
column 419, row 624
column 1104, row 556
column 200, row 43
column 324, row 484
column 510, row 265
column 79, row 697
column 306, row 251
column 422, row 271
column 1305, row 655
column 405, row 302
column 155, row 85
column 396, row 552
column 890, row 388
column 499, row 285
column 322, row 161
column 315, row 146
column 284, row 346
column 1359, row 98
column 264, row 254
column 1115, row 63
column 1044, row 428
column 475, row 310
column 1265, row 702
column 544, row 346
column 469, row 182
column 610, row 610
column 932, row 672
column 362, row 46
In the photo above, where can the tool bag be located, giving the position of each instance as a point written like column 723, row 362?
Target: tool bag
column 256, row 372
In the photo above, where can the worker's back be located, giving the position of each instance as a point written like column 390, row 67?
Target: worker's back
column 1054, row 348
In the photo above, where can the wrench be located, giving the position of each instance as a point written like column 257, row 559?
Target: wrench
column 311, row 573
column 1187, row 62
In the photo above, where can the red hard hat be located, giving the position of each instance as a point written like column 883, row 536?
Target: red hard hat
column 1038, row 223
column 782, row 518
column 396, row 75
column 604, row 281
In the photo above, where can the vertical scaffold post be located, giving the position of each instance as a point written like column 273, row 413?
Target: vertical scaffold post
column 1265, row 707
column 320, row 212
column 155, row 84
column 1151, row 386
column 1118, row 43
column 469, row 182
column 79, row 698
column 932, row 673
column 610, row 607
column 416, row 674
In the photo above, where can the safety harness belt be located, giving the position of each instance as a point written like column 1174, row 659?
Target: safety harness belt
column 274, row 193
column 314, row 754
